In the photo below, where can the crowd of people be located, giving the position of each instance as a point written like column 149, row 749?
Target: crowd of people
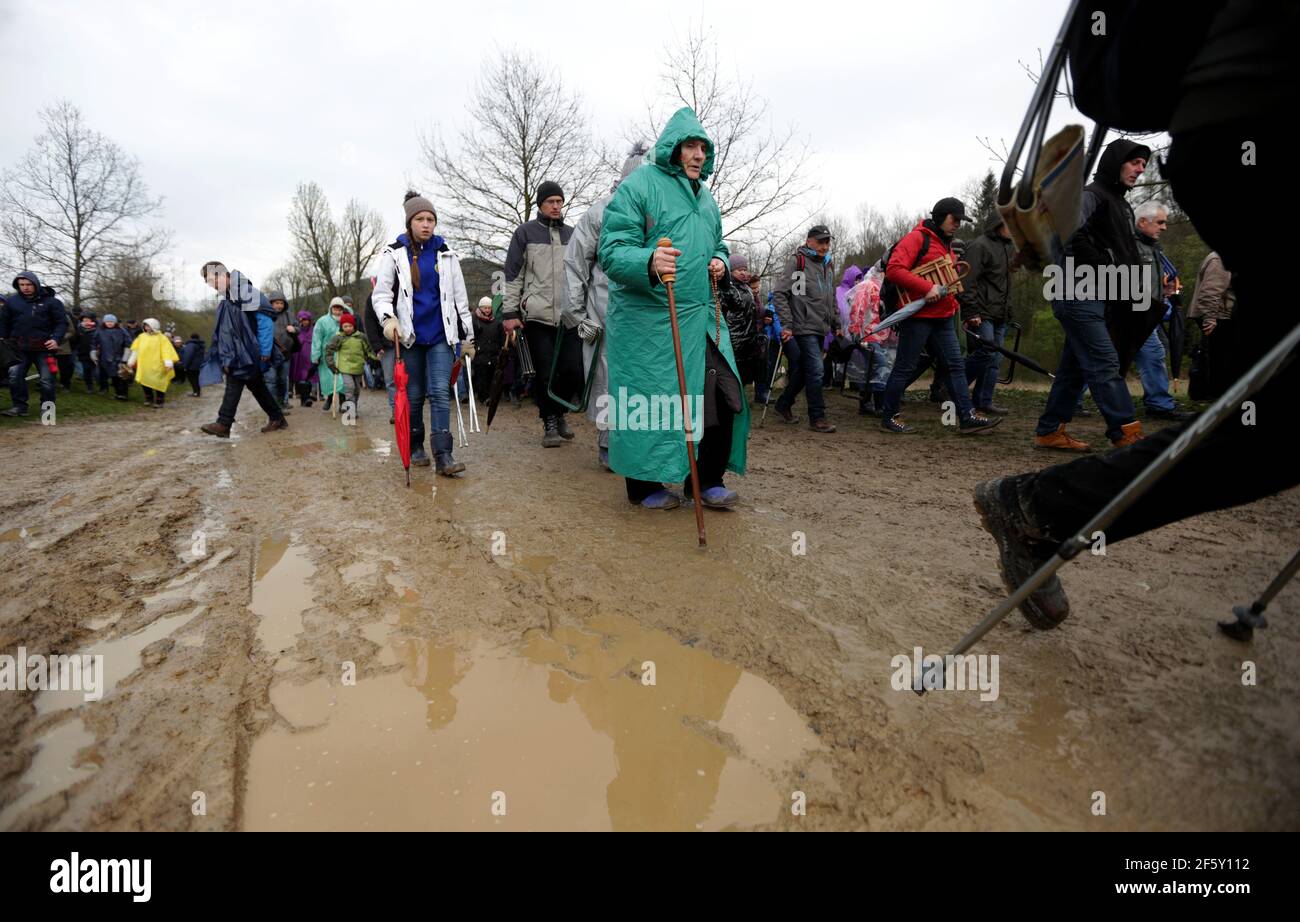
column 584, row 322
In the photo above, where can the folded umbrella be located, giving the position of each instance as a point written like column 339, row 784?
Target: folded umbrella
column 1019, row 357
column 402, row 413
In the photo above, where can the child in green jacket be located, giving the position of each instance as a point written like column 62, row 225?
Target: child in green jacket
column 347, row 354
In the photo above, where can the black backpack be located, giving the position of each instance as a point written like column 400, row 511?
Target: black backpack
column 891, row 299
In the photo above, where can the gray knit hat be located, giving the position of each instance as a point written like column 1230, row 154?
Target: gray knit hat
column 415, row 203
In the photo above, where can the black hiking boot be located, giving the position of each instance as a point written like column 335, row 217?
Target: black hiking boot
column 551, row 435
column 1022, row 549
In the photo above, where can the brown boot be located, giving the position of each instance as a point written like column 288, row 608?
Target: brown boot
column 276, row 424
column 1060, row 440
column 1132, row 433
column 220, row 430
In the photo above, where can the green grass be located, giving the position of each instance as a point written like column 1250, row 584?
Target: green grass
column 71, row 405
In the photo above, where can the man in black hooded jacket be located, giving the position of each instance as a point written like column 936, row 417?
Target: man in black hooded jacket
column 1229, row 74
column 35, row 323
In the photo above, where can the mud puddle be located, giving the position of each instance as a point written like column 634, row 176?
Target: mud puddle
column 54, row 768
column 566, row 732
column 280, row 590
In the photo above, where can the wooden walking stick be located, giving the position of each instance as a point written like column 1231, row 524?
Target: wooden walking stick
column 668, row 281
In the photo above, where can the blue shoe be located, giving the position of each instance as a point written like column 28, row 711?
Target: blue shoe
column 719, row 497
column 662, row 499
column 602, row 455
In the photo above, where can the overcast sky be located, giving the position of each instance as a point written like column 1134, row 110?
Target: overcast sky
column 229, row 105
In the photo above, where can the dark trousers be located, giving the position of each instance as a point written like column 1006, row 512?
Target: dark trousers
column 256, row 386
column 568, row 374
column 937, row 336
column 67, row 371
column 89, row 373
column 710, row 459
column 804, row 354
column 153, row 396
column 1238, row 463
column 193, row 378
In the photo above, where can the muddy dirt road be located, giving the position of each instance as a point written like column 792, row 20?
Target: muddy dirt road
column 344, row 653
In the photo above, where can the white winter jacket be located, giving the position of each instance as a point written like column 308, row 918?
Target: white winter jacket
column 395, row 264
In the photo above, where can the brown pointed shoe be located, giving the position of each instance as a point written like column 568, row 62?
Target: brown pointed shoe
column 1061, row 441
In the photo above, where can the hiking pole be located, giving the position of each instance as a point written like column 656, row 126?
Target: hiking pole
column 1192, row 436
column 776, row 369
column 1250, row 618
column 334, row 397
column 460, row 419
column 669, row 281
column 473, row 408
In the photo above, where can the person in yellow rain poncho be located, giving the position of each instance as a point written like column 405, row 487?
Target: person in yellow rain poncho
column 154, row 358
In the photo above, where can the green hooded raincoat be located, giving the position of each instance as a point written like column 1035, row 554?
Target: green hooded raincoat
column 656, row 201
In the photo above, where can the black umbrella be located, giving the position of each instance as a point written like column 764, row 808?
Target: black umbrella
column 1177, row 339
column 1011, row 354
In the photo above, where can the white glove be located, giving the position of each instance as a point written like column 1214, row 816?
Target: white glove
column 588, row 330
column 94, row 356
column 167, row 363
column 467, row 349
column 390, row 329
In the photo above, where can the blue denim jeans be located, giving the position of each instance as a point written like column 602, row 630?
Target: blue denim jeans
column 277, row 382
column 938, row 336
column 882, row 364
column 18, row 378
column 1089, row 358
column 1150, row 363
column 806, row 373
column 429, row 368
column 982, row 364
column 389, row 361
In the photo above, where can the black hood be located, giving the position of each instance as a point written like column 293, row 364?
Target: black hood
column 1117, row 153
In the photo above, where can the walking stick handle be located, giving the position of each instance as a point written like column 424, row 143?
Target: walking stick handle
column 666, row 244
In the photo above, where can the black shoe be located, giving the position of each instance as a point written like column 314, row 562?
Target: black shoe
column 445, row 464
column 993, row 409
column 15, row 412
column 1021, row 551
column 328, row 400
column 896, row 425
column 976, row 423
column 1178, row 416
column 551, row 435
column 418, row 457
column 562, row 425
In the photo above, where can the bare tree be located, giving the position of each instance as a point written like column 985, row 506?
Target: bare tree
column 124, row 285
column 361, row 237
column 75, row 203
column 524, row 127
column 316, row 238
column 759, row 172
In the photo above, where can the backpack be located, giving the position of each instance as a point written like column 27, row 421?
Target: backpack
column 891, row 298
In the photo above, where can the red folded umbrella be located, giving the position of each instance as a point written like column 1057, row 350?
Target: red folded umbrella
column 402, row 413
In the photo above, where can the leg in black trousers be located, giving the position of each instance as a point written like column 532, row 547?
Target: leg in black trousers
column 568, row 374
column 256, row 385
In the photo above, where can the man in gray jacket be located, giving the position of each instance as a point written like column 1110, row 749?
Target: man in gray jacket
column 534, row 281
column 804, row 296
column 986, row 308
column 586, row 296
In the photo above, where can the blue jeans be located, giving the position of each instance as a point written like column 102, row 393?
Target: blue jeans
column 806, row 372
column 277, row 382
column 982, row 364
column 18, row 378
column 937, row 336
column 1150, row 362
column 389, row 361
column 882, row 365
column 429, row 368
column 1089, row 358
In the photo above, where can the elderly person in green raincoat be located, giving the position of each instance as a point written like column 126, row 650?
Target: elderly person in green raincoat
column 668, row 198
column 325, row 330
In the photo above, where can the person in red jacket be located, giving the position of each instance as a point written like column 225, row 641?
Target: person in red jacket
column 932, row 326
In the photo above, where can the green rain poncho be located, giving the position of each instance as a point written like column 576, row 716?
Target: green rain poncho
column 657, row 201
column 322, row 333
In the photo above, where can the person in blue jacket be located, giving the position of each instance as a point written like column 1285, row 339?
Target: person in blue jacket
column 35, row 323
column 772, row 330
column 242, row 344
column 192, row 362
column 112, row 342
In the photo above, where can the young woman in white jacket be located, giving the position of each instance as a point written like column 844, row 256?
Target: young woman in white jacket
column 420, row 300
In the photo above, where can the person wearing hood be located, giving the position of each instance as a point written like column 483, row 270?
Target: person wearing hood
column 804, row 295
column 241, row 342
column 284, row 341
column 585, row 298
column 741, row 314
column 83, row 347
column 346, row 355
column 1102, row 332
column 420, row 302
column 35, row 323
column 931, row 327
column 535, row 283
column 192, row 362
column 325, row 330
column 111, row 342
column 154, row 358
column 669, row 199
column 302, row 373
column 986, row 308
